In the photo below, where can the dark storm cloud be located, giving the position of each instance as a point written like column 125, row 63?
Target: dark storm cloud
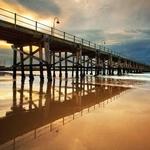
column 45, row 7
column 136, row 49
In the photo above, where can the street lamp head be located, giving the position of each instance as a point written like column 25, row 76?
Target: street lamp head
column 58, row 22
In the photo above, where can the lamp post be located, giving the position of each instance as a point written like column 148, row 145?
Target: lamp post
column 56, row 20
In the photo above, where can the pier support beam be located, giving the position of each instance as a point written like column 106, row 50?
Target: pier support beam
column 119, row 70
column 22, row 63
column 41, row 64
column 66, row 73
column 60, row 69
column 78, row 61
column 77, row 65
column 87, row 68
column 65, row 97
column 110, row 65
column 104, row 67
column 112, row 71
column 54, row 74
column 31, row 64
column 97, row 65
column 73, row 65
column 48, row 54
column 124, row 70
column 91, row 67
column 14, row 62
column 84, row 68
column 81, row 66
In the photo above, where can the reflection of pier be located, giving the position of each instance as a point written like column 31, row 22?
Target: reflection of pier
column 33, row 109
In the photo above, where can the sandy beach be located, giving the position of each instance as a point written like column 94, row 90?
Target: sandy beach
column 120, row 125
column 118, row 122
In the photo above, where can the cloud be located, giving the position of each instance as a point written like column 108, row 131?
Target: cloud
column 95, row 14
column 138, row 49
column 124, row 25
column 91, row 35
column 42, row 7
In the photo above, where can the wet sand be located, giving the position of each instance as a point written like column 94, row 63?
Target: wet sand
column 120, row 125
column 121, row 122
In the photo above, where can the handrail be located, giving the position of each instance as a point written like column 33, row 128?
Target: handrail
column 17, row 19
column 7, row 11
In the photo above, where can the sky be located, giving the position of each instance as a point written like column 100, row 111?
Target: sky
column 122, row 24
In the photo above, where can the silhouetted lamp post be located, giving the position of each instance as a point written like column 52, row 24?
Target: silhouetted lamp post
column 56, row 20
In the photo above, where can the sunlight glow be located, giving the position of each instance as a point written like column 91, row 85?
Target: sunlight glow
column 77, row 1
column 4, row 45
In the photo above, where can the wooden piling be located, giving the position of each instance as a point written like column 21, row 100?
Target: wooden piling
column 14, row 62
column 40, row 63
column 22, row 63
column 84, row 68
column 80, row 64
column 65, row 96
column 87, row 68
column 119, row 70
column 30, row 64
column 97, row 63
column 110, row 65
column 66, row 71
column 60, row 69
column 91, row 67
column 77, row 64
column 48, row 56
column 104, row 67
column 54, row 74
column 73, row 65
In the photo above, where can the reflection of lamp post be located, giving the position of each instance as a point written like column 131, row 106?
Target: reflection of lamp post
column 56, row 20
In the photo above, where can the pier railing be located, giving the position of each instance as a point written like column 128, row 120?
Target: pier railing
column 17, row 19
column 20, row 20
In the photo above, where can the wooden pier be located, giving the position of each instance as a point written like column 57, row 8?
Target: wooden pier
column 39, row 47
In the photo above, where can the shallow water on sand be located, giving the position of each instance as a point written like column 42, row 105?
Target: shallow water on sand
column 89, row 114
